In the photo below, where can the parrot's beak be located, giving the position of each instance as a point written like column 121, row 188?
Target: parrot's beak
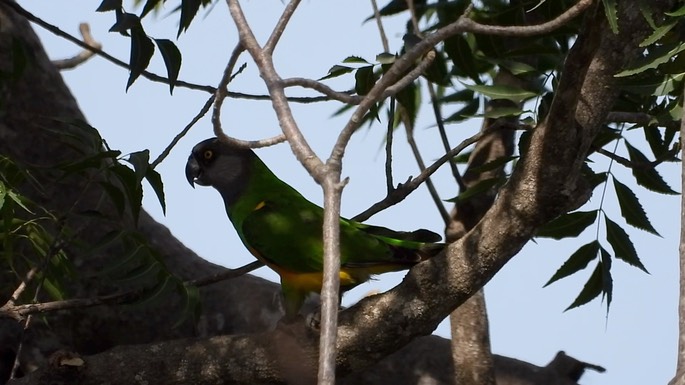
column 193, row 171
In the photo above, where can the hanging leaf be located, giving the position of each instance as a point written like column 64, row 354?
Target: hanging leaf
column 149, row 6
column 155, row 181
column 591, row 290
column 437, row 71
column 494, row 92
column 610, row 11
column 124, row 22
column 336, row 71
column 3, row 193
column 656, row 57
column 142, row 49
column 577, row 261
column 141, row 162
column 607, row 281
column 622, row 245
column 568, row 225
column 479, row 188
column 364, row 80
column 189, row 9
column 108, row 5
column 172, row 60
column 648, row 178
column 461, row 54
column 631, row 209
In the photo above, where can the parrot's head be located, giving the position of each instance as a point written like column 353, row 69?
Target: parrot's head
column 220, row 165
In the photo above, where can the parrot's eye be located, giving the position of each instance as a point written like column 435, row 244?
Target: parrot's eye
column 208, row 154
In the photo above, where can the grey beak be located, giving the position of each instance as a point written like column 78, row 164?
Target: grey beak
column 192, row 171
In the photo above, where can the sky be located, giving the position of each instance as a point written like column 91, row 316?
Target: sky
column 636, row 341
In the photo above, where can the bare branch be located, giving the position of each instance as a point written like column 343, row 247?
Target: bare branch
column 220, row 93
column 422, row 166
column 303, row 152
column 183, row 132
column 403, row 190
column 82, row 56
column 280, row 27
column 379, row 22
column 330, row 298
column 528, row 30
column 345, row 97
column 18, row 312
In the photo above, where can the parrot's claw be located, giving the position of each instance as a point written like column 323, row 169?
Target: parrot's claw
column 313, row 321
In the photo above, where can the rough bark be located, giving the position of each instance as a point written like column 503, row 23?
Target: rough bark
column 546, row 183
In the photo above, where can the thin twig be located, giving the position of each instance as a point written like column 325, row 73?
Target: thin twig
column 345, row 96
column 403, row 190
column 183, row 132
column 379, row 22
column 668, row 155
column 388, row 148
column 443, row 136
column 220, row 93
column 22, row 287
column 422, row 166
column 82, row 56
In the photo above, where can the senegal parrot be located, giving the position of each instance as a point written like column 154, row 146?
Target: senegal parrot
column 284, row 230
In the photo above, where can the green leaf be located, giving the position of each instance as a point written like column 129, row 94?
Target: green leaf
column 142, row 49
column 607, row 282
column 355, row 59
column 124, row 22
column 591, row 290
column 577, row 261
column 364, row 80
column 336, row 71
column 501, row 112
column 93, row 161
column 658, row 34
column 410, row 98
column 610, row 11
column 3, row 193
column 108, row 5
column 149, row 6
column 172, row 60
column 386, row 58
column 493, row 164
column 189, row 9
column 437, row 71
column 479, row 188
column 494, row 92
column 469, row 109
column 656, row 57
column 191, row 303
column 677, row 13
column 631, row 209
column 648, row 178
column 461, row 96
column 155, row 181
column 141, row 162
column 16, row 198
column 460, row 52
column 568, row 225
column 116, row 195
column 131, row 186
column 622, row 245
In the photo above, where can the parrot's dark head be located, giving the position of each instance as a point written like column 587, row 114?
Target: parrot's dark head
column 220, row 165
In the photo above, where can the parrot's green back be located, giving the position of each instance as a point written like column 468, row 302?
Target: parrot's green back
column 284, row 230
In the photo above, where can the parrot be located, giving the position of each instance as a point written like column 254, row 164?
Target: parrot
column 284, row 230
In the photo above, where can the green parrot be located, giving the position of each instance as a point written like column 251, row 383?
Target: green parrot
column 284, row 230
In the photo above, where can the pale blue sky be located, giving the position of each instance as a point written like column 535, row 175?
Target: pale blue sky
column 637, row 342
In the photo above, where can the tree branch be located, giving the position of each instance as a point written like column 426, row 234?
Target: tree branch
column 82, row 56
